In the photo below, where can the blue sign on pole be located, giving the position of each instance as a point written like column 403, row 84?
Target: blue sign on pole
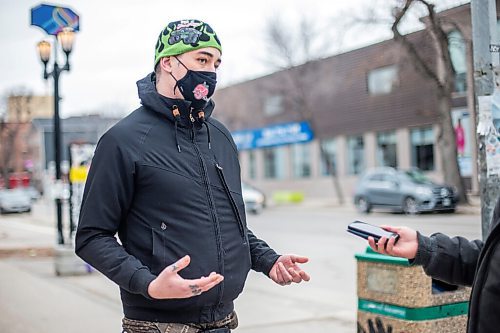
column 52, row 19
column 275, row 135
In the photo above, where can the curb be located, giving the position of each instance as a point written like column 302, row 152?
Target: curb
column 27, row 252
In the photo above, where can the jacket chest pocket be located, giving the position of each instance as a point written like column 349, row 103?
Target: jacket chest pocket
column 238, row 210
column 226, row 187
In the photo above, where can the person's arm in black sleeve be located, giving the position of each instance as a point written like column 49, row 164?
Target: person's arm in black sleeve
column 452, row 260
column 263, row 257
column 106, row 200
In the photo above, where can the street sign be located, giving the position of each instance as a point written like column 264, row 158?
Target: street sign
column 52, row 19
column 78, row 174
column 494, row 48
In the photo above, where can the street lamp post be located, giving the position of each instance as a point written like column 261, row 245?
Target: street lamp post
column 65, row 38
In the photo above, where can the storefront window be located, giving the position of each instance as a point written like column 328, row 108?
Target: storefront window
column 355, row 155
column 422, row 143
column 329, row 159
column 252, row 165
column 274, row 163
column 386, row 149
column 462, row 126
column 301, row 155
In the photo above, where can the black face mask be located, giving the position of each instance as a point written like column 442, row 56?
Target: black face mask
column 196, row 86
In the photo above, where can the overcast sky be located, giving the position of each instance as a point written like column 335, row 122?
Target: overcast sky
column 115, row 45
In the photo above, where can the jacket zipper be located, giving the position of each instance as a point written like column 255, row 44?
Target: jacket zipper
column 231, row 199
column 214, row 219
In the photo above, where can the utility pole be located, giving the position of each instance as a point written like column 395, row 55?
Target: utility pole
column 486, row 61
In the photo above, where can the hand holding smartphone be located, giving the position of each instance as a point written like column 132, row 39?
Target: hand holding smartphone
column 366, row 230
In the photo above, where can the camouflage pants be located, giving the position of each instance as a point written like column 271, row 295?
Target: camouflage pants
column 221, row 326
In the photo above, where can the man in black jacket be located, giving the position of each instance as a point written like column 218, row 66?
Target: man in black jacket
column 457, row 261
column 167, row 179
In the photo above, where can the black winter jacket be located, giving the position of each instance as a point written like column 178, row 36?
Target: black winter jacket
column 165, row 204
column 471, row 263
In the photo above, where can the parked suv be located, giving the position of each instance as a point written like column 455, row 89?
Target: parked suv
column 409, row 191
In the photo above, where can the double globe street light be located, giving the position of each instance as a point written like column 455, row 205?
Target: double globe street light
column 65, row 38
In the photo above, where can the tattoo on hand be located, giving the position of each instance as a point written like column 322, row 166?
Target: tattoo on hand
column 195, row 289
column 174, row 268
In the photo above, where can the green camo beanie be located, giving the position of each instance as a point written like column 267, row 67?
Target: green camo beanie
column 183, row 36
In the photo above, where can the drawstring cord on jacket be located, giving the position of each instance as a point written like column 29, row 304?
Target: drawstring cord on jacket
column 177, row 118
column 201, row 118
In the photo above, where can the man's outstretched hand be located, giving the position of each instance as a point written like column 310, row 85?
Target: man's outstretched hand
column 169, row 284
column 286, row 270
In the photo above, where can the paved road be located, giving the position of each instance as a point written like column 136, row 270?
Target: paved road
column 33, row 296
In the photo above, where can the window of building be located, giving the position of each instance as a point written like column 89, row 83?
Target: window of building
column 274, row 163
column 252, row 165
column 386, row 149
column 422, row 148
column 329, row 158
column 463, row 139
column 273, row 105
column 355, row 155
column 457, row 49
column 382, row 80
column 301, row 157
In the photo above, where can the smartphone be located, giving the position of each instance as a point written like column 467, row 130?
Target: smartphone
column 365, row 230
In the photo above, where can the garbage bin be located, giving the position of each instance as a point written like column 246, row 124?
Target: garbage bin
column 396, row 297
column 67, row 263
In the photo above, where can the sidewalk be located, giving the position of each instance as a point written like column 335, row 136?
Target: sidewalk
column 17, row 235
column 34, row 300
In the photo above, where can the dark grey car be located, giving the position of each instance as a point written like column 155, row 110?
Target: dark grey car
column 409, row 191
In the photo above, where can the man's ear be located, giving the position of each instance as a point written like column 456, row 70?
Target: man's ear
column 165, row 64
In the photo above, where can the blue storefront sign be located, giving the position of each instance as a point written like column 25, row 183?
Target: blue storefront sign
column 276, row 135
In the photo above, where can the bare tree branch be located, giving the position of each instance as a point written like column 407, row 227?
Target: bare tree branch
column 441, row 40
column 295, row 51
column 443, row 77
column 422, row 65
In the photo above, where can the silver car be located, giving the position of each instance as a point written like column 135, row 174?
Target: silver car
column 409, row 191
column 255, row 200
column 14, row 201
